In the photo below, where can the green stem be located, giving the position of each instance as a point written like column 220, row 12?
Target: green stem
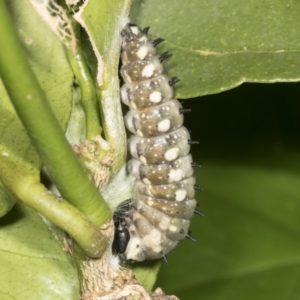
column 109, row 92
column 41, row 125
column 89, row 99
column 23, row 182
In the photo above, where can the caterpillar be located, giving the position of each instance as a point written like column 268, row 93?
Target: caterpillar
column 157, row 218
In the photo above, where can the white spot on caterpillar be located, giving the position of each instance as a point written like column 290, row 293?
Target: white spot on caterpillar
column 175, row 175
column 155, row 97
column 150, row 201
column 127, row 78
column 148, row 70
column 133, row 249
column 146, row 180
column 173, row 228
column 164, row 223
column 164, row 125
column 134, row 30
column 153, row 239
column 143, row 39
column 142, row 52
column 180, row 195
column 139, row 133
column 172, row 154
column 143, row 159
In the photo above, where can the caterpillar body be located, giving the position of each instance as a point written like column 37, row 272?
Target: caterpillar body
column 157, row 218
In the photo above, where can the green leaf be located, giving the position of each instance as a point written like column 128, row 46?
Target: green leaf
column 219, row 44
column 249, row 242
column 146, row 272
column 47, row 58
column 33, row 264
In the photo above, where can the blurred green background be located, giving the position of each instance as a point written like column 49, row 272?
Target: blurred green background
column 249, row 242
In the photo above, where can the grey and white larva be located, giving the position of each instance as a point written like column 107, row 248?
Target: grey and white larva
column 157, row 218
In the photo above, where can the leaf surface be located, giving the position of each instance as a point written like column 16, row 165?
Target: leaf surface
column 33, row 264
column 219, row 44
column 249, row 242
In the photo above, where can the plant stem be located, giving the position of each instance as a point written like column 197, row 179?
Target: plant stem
column 44, row 130
column 107, row 46
column 89, row 99
column 110, row 92
column 23, row 181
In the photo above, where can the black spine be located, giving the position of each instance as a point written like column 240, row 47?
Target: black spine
column 146, row 29
column 173, row 81
column 157, row 41
column 184, row 110
column 199, row 213
column 189, row 237
column 164, row 56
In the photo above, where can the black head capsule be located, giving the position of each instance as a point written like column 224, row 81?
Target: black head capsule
column 121, row 239
column 173, row 81
column 157, row 41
